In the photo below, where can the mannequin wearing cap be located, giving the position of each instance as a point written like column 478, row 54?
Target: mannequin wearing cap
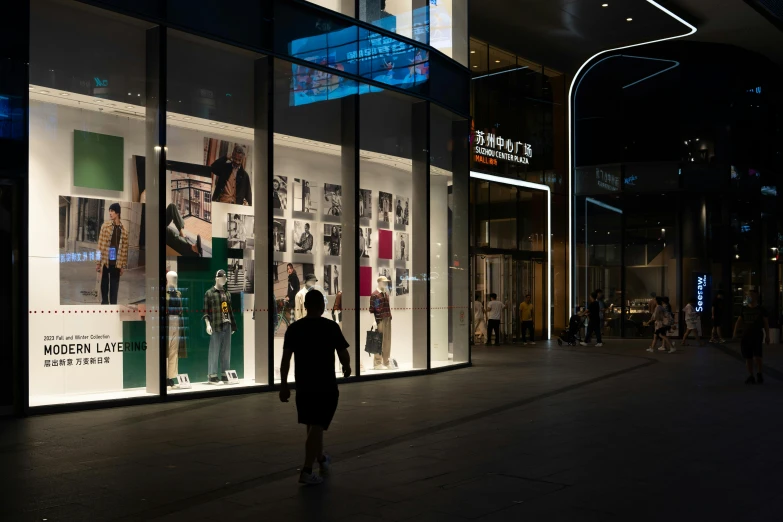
column 220, row 325
column 310, row 284
column 176, row 332
column 380, row 308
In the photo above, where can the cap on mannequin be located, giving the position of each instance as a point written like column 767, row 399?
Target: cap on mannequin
column 171, row 279
column 383, row 282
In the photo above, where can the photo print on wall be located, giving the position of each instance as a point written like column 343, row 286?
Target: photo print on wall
column 229, row 164
column 331, row 282
column 286, row 286
column 365, row 204
column 303, row 238
column 188, row 221
column 278, row 235
column 385, row 272
column 101, row 252
column 280, row 193
column 333, row 200
column 239, row 231
column 402, row 247
column 303, row 200
column 365, row 241
column 384, row 207
column 402, row 283
column 240, row 273
column 332, row 239
column 401, row 211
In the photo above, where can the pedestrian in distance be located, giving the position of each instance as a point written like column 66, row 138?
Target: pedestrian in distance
column 593, row 321
column 494, row 311
column 313, row 341
column 692, row 322
column 668, row 321
column 661, row 329
column 526, row 319
column 717, row 317
column 755, row 323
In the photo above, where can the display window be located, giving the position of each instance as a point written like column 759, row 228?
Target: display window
column 92, row 336
column 170, row 257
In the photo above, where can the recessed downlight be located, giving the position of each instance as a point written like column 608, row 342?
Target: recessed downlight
column 475, row 66
column 472, row 52
column 497, row 61
column 604, row 5
column 629, row 19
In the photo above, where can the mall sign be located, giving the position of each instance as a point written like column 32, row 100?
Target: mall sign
column 490, row 147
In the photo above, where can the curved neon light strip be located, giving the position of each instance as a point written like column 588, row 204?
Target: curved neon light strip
column 571, row 273
column 545, row 188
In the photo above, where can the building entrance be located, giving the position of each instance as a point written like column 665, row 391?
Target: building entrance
column 511, row 277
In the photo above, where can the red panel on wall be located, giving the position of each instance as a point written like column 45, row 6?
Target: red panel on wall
column 385, row 250
column 365, row 281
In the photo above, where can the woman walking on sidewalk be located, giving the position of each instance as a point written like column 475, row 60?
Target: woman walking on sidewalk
column 661, row 329
column 692, row 322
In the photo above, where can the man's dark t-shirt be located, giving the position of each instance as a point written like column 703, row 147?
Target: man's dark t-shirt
column 753, row 323
column 314, row 342
column 594, row 311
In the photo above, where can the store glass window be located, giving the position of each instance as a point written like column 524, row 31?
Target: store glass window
column 313, row 223
column 449, row 271
column 92, row 335
column 393, row 263
column 209, row 217
column 346, row 7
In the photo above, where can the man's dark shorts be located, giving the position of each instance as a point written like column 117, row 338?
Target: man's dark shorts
column 316, row 409
column 662, row 331
column 752, row 348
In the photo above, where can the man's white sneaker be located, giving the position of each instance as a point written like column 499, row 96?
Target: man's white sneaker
column 583, row 343
column 310, row 479
column 673, row 350
column 650, row 349
column 380, row 367
column 531, row 342
column 661, row 349
column 325, row 466
column 598, row 345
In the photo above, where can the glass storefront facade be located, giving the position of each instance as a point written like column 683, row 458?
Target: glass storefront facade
column 519, row 234
column 676, row 186
column 202, row 189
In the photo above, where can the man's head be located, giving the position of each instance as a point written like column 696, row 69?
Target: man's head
column 307, row 227
column 238, row 156
column 275, row 184
column 753, row 297
column 314, row 303
column 594, row 296
column 659, row 300
column 493, row 296
column 692, row 301
column 665, row 300
column 599, row 293
column 115, row 211
column 527, row 298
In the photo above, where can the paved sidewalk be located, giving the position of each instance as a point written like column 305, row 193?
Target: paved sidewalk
column 536, row 433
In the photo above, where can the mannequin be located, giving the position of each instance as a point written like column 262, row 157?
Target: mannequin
column 220, row 325
column 380, row 308
column 176, row 329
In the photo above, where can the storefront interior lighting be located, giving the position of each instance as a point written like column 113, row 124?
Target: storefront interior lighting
column 691, row 30
column 534, row 186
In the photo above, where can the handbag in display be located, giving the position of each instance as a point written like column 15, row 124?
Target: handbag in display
column 374, row 343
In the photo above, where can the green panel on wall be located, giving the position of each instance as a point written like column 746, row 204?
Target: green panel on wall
column 98, row 160
column 134, row 364
column 195, row 276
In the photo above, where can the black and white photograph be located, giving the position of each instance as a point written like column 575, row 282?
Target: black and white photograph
column 240, row 273
column 401, row 211
column 365, row 241
column 239, row 231
column 384, row 207
column 101, row 252
column 303, row 237
column 385, row 272
column 333, row 200
column 402, row 247
column 331, row 282
column 188, row 221
column 280, row 193
column 278, row 235
column 303, row 197
column 365, row 204
column 332, row 239
column 288, row 280
column 402, row 282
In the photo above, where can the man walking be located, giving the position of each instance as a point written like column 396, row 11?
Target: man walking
column 314, row 340
column 755, row 321
column 494, row 310
column 113, row 249
column 594, row 321
column 526, row 319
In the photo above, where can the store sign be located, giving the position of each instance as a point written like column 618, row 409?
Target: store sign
column 703, row 290
column 101, row 83
column 607, row 180
column 490, row 148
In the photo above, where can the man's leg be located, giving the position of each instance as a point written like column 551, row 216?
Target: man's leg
column 105, row 285
column 179, row 244
column 114, row 279
column 759, row 366
column 598, row 339
column 314, row 447
column 531, row 330
column 589, row 332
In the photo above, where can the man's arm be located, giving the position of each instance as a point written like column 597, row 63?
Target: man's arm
column 285, row 365
column 736, row 327
column 345, row 360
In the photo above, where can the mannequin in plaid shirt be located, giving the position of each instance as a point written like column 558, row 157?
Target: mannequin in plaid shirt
column 113, row 249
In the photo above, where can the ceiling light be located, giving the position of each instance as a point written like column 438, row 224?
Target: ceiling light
column 629, row 19
column 497, row 61
column 129, row 94
column 475, row 66
column 604, row 5
column 472, row 52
